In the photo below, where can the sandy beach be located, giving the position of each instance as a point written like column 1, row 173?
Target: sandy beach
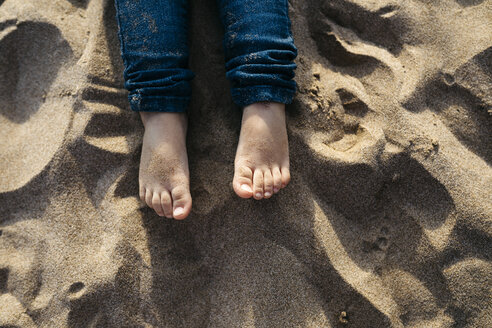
column 387, row 221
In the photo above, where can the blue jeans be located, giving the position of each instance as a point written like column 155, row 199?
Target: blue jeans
column 259, row 51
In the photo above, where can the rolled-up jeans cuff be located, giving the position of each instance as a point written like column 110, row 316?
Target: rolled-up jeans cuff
column 249, row 95
column 148, row 103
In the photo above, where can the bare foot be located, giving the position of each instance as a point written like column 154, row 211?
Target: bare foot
column 164, row 176
column 262, row 157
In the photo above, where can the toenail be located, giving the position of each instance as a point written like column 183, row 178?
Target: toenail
column 178, row 211
column 246, row 188
column 258, row 195
column 267, row 194
column 275, row 189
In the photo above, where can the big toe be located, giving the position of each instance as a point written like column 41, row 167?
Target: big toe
column 243, row 182
column 181, row 199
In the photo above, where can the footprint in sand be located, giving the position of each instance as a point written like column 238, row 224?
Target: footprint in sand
column 35, row 106
column 13, row 313
column 469, row 3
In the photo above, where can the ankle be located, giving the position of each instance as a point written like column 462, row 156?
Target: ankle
column 163, row 119
column 269, row 111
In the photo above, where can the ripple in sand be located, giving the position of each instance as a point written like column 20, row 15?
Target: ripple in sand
column 79, row 3
column 34, row 107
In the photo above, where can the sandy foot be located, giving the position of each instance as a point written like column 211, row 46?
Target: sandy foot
column 164, row 174
column 262, row 157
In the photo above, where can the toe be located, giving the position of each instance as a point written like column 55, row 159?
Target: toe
column 156, row 204
column 258, row 184
column 277, row 179
column 148, row 197
column 268, row 183
column 243, row 182
column 167, row 204
column 285, row 176
column 141, row 193
column 181, row 202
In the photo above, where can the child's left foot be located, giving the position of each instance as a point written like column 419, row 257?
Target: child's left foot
column 262, row 157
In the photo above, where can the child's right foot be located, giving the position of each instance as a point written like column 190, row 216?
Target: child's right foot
column 164, row 176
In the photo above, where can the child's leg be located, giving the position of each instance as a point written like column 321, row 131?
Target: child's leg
column 259, row 60
column 153, row 36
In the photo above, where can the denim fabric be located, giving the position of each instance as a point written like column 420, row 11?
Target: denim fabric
column 259, row 51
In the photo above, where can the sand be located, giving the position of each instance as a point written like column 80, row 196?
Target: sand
column 387, row 221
